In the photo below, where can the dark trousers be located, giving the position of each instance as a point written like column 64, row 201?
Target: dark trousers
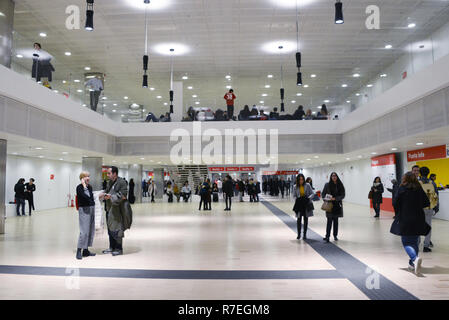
column 94, row 98
column 203, row 202
column 302, row 215
column 228, row 200
column 152, row 196
column 376, row 206
column 282, row 192
column 330, row 222
column 31, row 204
column 114, row 244
column 20, row 203
column 230, row 112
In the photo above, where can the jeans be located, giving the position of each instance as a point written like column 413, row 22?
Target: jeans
column 429, row 214
column 20, row 203
column 306, row 223
column 330, row 222
column 228, row 199
column 94, row 98
column 411, row 246
column 230, row 112
column 376, row 206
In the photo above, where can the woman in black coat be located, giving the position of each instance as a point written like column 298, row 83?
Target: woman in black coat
column 20, row 196
column 336, row 191
column 377, row 189
column 410, row 221
column 131, row 196
column 228, row 190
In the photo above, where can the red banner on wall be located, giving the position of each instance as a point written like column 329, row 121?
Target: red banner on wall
column 384, row 160
column 280, row 173
column 246, row 169
column 216, row 169
column 232, row 169
column 438, row 152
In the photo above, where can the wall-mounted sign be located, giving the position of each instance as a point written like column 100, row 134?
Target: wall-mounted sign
column 246, row 169
column 216, row 169
column 280, row 173
column 52, row 177
column 438, row 152
column 232, row 169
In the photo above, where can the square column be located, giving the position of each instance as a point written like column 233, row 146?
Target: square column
column 94, row 167
column 158, row 177
column 135, row 172
column 178, row 110
column 3, row 145
column 6, row 28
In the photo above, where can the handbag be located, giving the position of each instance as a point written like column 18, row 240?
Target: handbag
column 370, row 194
column 327, row 206
column 395, row 229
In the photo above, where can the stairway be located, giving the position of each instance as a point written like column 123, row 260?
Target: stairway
column 194, row 174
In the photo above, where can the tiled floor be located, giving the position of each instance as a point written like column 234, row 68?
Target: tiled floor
column 177, row 236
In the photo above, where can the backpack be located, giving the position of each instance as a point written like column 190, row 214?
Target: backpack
column 429, row 189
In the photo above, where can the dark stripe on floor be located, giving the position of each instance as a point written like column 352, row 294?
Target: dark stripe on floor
column 350, row 267
column 175, row 274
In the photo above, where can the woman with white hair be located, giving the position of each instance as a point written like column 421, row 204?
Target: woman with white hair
column 86, row 210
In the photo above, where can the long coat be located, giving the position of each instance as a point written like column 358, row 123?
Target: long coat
column 410, row 214
column 377, row 193
column 308, row 192
column 337, row 209
column 117, row 207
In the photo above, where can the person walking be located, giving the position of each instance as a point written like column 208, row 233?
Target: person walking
column 230, row 97
column 282, row 186
column 30, row 188
column 115, row 196
column 220, row 186
column 303, row 207
column 203, row 195
column 429, row 189
column 95, row 86
column 228, row 191
column 169, row 192
column 334, row 191
column 131, row 195
column 86, row 216
column 20, row 196
column 186, row 191
column 241, row 190
column 376, row 195
column 257, row 191
column 152, row 190
column 410, row 222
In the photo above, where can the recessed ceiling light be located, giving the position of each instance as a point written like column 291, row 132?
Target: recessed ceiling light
column 228, row 87
column 165, row 104
column 306, row 86
column 327, row 101
column 76, row 80
column 274, row 47
column 197, row 102
column 194, row 96
column 388, row 46
column 360, row 157
column 313, row 76
column 65, row 152
column 344, row 85
column 357, row 94
column 319, row 107
column 299, row 94
column 159, row 97
column 348, row 158
column 142, row 158
column 115, row 104
column 39, row 148
column 19, row 56
column 411, row 25
column 185, row 78
column 356, row 75
column 293, row 101
column 43, row 34
column 264, row 95
column 228, row 77
column 84, row 105
column 373, row 153
column 190, row 88
column 68, row 53
column 348, row 101
column 114, row 110
column 79, row 90
column 308, row 159
column 63, row 81
column 383, row 75
column 41, row 157
column 55, row 91
column 123, row 115
column 261, row 102
column 419, row 143
column 126, row 98
column 267, row 86
column 165, row 49
column 394, row 149
column 369, row 85
column 152, row 89
column 87, row 68
column 104, row 98
column 270, row 76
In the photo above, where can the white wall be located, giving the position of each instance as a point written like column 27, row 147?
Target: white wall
column 50, row 194
column 355, row 175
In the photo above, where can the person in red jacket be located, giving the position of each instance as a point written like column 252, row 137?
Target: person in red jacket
column 230, row 97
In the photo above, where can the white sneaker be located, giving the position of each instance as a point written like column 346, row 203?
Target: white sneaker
column 411, row 268
column 418, row 262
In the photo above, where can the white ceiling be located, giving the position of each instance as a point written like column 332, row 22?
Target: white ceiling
column 225, row 38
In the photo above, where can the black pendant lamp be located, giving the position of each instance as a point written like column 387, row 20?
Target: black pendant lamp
column 89, row 15
column 339, row 13
column 145, row 57
column 298, row 52
column 282, row 82
column 171, row 93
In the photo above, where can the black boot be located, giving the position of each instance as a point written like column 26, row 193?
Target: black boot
column 87, row 253
column 79, row 256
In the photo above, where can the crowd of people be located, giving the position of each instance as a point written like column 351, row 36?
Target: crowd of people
column 24, row 192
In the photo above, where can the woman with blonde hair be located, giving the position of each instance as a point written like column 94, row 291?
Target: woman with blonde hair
column 86, row 210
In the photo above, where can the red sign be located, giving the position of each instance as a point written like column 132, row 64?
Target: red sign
column 280, row 173
column 232, row 169
column 52, row 177
column 427, row 154
column 216, row 169
column 385, row 160
column 246, row 169
column 404, row 75
column 151, row 173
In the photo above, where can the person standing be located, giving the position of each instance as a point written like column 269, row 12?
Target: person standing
column 257, row 190
column 186, row 191
column 116, row 195
column 394, row 193
column 335, row 191
column 415, row 170
column 288, row 186
column 303, row 208
column 433, row 178
column 20, row 196
column 30, row 187
column 42, row 67
column 86, row 216
column 241, row 190
column 152, row 190
column 376, row 195
column 220, row 186
column 429, row 190
column 228, row 191
column 282, row 186
column 410, row 220
column 203, row 195
column 169, row 192
column 96, row 86
column 230, row 97
column 131, row 196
